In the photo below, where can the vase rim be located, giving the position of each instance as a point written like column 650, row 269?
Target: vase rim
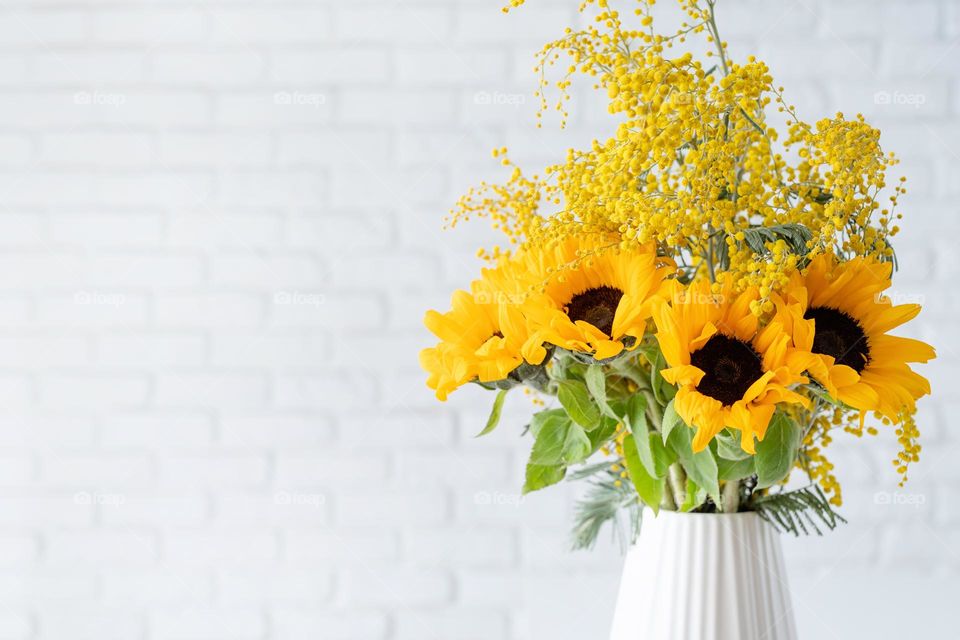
column 647, row 512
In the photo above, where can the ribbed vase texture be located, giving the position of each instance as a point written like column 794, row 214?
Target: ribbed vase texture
column 704, row 577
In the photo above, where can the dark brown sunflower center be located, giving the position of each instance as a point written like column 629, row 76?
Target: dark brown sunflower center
column 730, row 366
column 598, row 306
column 837, row 334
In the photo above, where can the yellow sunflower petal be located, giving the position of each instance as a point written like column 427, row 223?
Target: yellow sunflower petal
column 683, row 374
column 859, row 396
column 891, row 318
column 607, row 349
column 843, row 376
column 887, row 347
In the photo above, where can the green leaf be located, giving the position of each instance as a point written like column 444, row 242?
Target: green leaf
column 539, row 418
column 735, row 469
column 495, row 412
column 728, row 446
column 703, row 469
column 541, row 475
column 670, row 420
column 662, row 457
column 567, row 368
column 662, row 390
column 575, row 398
column 695, row 496
column 777, row 451
column 597, row 385
column 560, row 441
column 602, row 434
column 631, row 370
column 649, row 489
column 636, row 419
column 701, row 466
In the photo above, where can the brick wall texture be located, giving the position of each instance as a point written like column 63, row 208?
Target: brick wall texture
column 220, row 224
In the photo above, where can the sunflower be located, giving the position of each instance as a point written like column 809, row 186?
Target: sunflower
column 837, row 312
column 593, row 297
column 481, row 337
column 728, row 373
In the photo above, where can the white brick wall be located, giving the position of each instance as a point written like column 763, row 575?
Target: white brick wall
column 219, row 228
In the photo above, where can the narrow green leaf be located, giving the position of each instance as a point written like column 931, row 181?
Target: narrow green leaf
column 575, row 398
column 540, row 476
column 495, row 412
column 649, row 489
column 662, row 390
column 799, row 511
column 670, row 420
column 636, row 419
column 777, row 452
column 597, row 385
column 823, row 395
column 795, row 235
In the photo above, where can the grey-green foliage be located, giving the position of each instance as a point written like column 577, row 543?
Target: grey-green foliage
column 795, row 235
column 756, row 238
column 607, row 500
column 799, row 511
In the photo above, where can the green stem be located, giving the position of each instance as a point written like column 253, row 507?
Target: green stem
column 667, row 502
column 678, row 483
column 713, row 275
column 712, row 27
column 731, row 496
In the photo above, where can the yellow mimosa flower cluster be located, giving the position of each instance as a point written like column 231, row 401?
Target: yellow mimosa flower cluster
column 694, row 164
column 717, row 263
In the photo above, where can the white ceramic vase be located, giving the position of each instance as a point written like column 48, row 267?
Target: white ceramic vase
column 704, row 577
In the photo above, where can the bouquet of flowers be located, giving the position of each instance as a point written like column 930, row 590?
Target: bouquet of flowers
column 696, row 303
